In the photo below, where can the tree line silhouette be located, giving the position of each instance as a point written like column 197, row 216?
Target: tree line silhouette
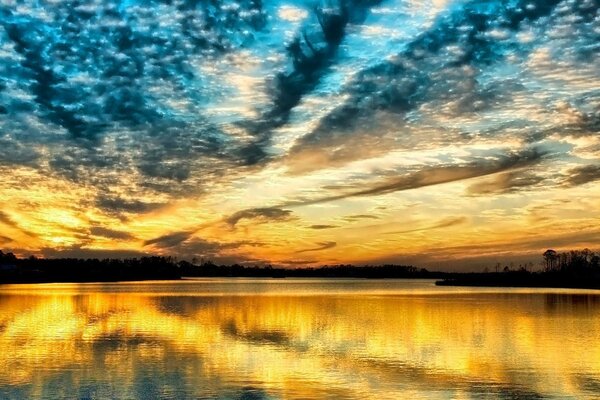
column 38, row 270
column 34, row 270
column 574, row 261
column 569, row 269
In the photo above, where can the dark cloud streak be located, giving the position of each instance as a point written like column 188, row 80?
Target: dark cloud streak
column 446, row 223
column 321, row 246
column 111, row 233
column 359, row 217
column 5, row 239
column 265, row 214
column 322, row 226
column 7, row 220
column 170, row 240
column 508, row 182
column 310, row 54
column 430, row 176
column 116, row 204
column 582, row 175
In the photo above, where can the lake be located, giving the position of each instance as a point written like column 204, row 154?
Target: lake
column 297, row 339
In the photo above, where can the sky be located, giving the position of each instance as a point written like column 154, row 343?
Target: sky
column 444, row 134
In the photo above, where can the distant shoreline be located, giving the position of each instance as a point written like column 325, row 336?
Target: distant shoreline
column 576, row 269
column 463, row 281
column 520, row 279
column 495, row 280
column 15, row 270
column 516, row 285
column 25, row 280
column 192, row 278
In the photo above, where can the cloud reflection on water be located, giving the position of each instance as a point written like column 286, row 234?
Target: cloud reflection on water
column 468, row 344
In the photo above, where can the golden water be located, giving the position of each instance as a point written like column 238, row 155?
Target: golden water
column 297, row 339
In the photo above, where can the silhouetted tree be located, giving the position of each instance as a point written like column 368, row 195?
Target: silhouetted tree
column 550, row 256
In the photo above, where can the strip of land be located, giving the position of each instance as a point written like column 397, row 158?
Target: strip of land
column 551, row 279
column 574, row 269
column 41, row 270
column 577, row 269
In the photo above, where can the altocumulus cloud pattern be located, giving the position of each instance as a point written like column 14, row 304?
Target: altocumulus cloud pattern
column 143, row 103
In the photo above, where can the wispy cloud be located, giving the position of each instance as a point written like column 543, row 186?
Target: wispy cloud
column 505, row 183
column 321, row 246
column 359, row 217
column 310, row 53
column 169, row 240
column 584, row 174
column 322, row 226
column 260, row 215
column 438, row 65
column 111, row 233
column 9, row 221
column 445, row 223
column 5, row 240
column 116, row 204
column 430, row 176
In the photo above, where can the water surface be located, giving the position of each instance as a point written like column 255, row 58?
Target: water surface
column 297, row 338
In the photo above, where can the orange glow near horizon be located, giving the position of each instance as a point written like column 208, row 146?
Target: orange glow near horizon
column 438, row 226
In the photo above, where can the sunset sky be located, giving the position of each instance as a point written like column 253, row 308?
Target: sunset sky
column 446, row 134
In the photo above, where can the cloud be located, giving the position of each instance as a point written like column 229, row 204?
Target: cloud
column 116, row 96
column 13, row 152
column 291, row 13
column 310, row 54
column 358, row 217
column 9, row 221
column 5, row 239
column 137, row 86
column 262, row 215
column 216, row 250
column 321, row 246
column 100, row 68
column 477, row 255
column 324, row 226
column 111, row 233
column 27, row 44
column 582, row 175
column 184, row 244
column 430, row 176
column 507, row 182
column 117, row 204
column 560, row 240
column 169, row 240
column 445, row 223
column 440, row 65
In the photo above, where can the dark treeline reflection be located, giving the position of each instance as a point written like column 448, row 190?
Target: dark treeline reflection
column 333, row 271
column 32, row 269
column 296, row 339
column 571, row 303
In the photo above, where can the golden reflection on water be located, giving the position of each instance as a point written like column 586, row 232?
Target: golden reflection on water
column 105, row 342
